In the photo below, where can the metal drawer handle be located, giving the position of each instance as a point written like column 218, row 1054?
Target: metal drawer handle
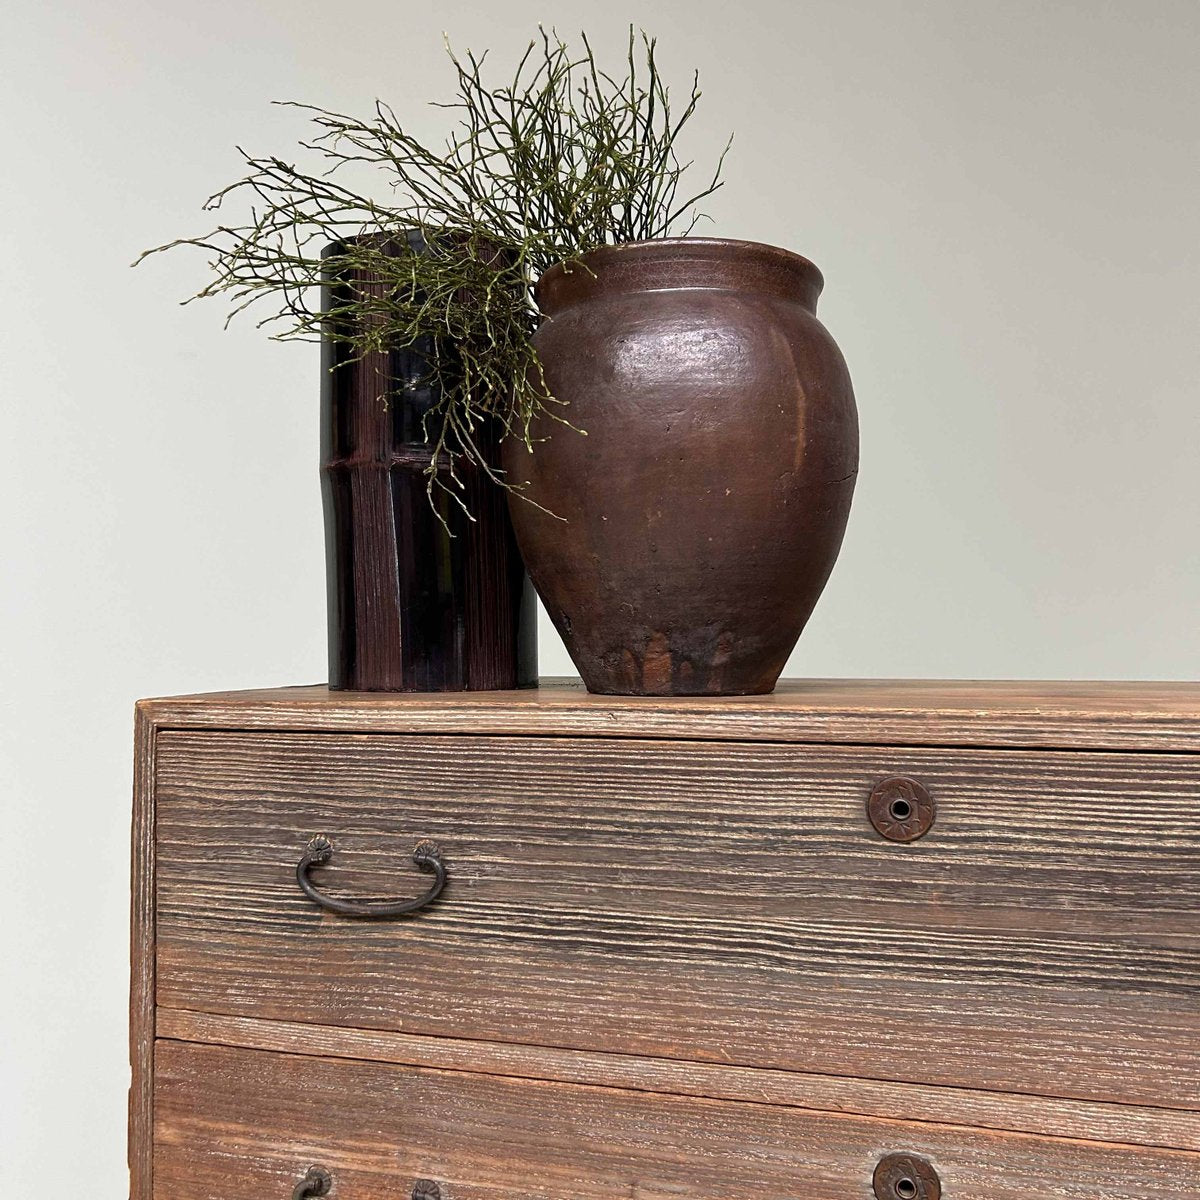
column 316, row 1183
column 427, row 856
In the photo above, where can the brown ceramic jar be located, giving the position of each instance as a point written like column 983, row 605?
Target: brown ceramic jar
column 702, row 513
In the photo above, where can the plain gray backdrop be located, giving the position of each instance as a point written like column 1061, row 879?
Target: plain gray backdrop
column 1003, row 198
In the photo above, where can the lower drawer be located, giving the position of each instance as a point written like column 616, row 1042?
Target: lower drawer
column 247, row 1125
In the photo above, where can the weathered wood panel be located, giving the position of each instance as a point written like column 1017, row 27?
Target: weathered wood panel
column 1076, row 715
column 1138, row 1125
column 728, row 903
column 246, row 1125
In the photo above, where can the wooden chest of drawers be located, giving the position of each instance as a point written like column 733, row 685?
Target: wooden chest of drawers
column 851, row 940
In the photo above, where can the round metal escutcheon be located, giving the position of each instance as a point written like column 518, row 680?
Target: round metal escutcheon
column 906, row 1177
column 901, row 809
column 426, row 1189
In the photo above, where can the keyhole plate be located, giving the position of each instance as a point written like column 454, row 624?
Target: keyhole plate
column 906, row 1177
column 901, row 809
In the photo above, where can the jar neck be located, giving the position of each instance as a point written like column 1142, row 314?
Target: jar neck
column 674, row 264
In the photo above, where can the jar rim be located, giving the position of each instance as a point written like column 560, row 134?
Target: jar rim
column 654, row 260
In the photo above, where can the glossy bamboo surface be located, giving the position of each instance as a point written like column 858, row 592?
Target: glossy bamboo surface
column 421, row 597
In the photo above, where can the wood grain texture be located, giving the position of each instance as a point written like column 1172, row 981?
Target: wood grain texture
column 1118, row 716
column 1136, row 1125
column 141, row 964
column 246, row 1125
column 725, row 903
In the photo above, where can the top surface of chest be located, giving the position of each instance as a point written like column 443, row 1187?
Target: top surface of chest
column 1066, row 715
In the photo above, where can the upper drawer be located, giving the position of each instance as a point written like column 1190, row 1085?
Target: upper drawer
column 712, row 901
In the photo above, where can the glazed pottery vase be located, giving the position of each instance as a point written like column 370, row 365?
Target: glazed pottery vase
column 696, row 524
column 416, row 604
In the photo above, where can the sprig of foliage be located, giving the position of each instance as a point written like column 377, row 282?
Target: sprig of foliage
column 561, row 158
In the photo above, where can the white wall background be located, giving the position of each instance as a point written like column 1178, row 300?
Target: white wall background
column 1004, row 199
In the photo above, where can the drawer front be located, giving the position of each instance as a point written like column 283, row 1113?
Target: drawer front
column 248, row 1125
column 704, row 901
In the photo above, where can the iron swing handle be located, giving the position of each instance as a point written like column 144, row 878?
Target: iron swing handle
column 427, row 856
column 318, row 1182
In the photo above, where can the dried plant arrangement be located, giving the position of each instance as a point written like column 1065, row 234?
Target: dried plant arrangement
column 560, row 158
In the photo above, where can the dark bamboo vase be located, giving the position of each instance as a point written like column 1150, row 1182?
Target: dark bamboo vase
column 703, row 513
column 411, row 608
